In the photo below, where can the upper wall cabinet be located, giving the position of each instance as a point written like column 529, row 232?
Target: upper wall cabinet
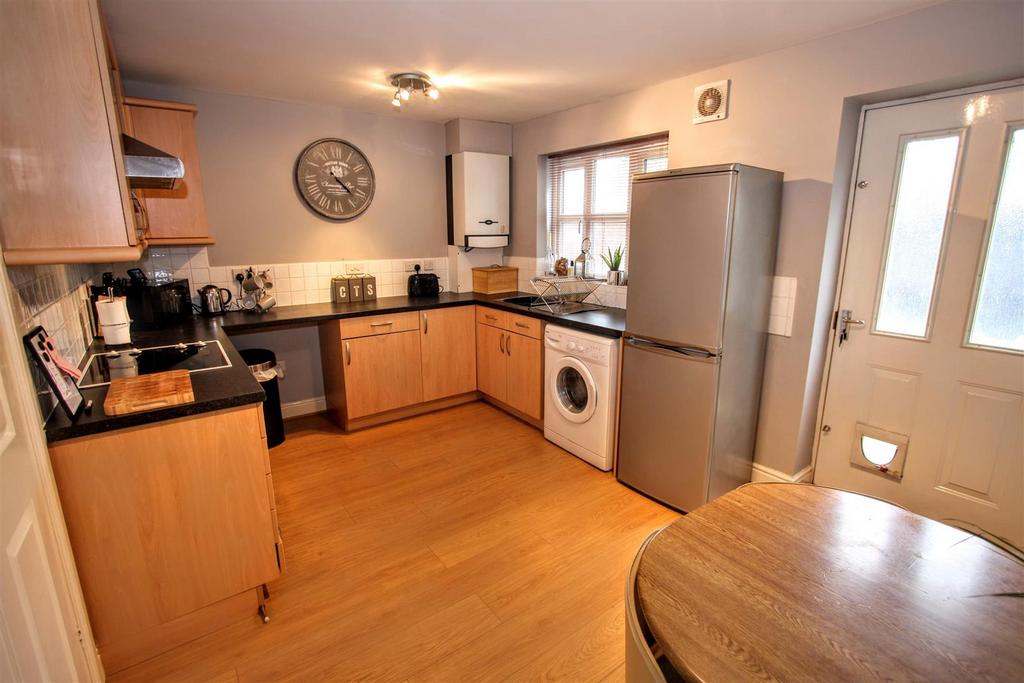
column 175, row 216
column 478, row 199
column 63, row 193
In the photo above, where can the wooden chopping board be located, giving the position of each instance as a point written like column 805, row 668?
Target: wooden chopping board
column 148, row 392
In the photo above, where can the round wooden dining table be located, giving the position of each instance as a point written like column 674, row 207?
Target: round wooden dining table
column 793, row 582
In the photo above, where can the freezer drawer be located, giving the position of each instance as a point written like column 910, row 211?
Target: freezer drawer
column 667, row 424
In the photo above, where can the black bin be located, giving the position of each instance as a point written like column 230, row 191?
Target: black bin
column 262, row 363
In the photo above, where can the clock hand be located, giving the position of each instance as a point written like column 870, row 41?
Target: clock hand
column 340, row 182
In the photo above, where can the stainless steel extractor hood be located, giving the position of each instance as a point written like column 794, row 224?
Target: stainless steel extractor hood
column 149, row 168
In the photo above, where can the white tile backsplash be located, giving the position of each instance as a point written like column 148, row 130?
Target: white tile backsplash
column 294, row 283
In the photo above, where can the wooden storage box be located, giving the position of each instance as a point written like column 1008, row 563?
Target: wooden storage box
column 495, row 280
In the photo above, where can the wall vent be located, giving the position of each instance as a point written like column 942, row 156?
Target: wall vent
column 711, row 102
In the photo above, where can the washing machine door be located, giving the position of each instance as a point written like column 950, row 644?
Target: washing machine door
column 573, row 390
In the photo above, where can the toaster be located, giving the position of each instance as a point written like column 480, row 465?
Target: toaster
column 424, row 284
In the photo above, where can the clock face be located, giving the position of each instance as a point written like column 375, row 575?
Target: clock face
column 335, row 179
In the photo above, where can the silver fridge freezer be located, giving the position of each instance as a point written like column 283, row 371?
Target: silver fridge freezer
column 701, row 261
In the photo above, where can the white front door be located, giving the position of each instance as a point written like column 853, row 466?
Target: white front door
column 43, row 633
column 923, row 403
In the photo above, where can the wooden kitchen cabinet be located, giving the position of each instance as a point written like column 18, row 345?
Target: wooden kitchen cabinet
column 491, row 361
column 525, row 374
column 64, row 197
column 175, row 216
column 510, row 360
column 381, row 373
column 448, row 352
column 172, row 526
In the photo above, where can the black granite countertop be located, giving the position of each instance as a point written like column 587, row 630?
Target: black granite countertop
column 235, row 386
column 214, row 389
column 608, row 322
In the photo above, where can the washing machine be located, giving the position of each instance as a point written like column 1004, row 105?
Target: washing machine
column 581, row 373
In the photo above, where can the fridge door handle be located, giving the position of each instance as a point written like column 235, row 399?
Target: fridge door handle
column 689, row 352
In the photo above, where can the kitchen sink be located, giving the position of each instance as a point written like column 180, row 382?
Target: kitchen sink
column 528, row 301
column 564, row 308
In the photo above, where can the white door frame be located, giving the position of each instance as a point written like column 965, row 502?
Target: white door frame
column 24, row 393
column 854, row 179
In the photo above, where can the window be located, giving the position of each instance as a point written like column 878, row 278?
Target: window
column 917, row 227
column 588, row 197
column 998, row 319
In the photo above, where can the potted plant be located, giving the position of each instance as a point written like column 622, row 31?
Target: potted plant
column 613, row 259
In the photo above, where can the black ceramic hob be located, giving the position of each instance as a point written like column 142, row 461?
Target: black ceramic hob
column 131, row 362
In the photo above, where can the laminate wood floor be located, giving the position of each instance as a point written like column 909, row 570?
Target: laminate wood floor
column 455, row 546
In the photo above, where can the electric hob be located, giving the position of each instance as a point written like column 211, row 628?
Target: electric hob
column 196, row 356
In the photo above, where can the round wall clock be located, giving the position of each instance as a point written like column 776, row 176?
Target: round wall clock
column 335, row 179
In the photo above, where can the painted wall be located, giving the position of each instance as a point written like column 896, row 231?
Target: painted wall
column 470, row 135
column 248, row 148
column 785, row 113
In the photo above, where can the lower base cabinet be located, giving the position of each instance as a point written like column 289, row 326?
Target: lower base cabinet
column 381, row 373
column 173, row 528
column 510, row 361
column 384, row 367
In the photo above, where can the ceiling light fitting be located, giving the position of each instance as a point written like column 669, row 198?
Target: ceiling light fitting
column 407, row 83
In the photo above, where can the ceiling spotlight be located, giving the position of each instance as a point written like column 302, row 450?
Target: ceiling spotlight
column 409, row 82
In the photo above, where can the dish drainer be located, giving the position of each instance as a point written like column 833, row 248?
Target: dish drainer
column 566, row 294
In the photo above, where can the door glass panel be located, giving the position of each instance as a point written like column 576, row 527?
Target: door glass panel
column 999, row 309
column 655, row 164
column 572, row 192
column 611, row 184
column 918, row 224
column 572, row 390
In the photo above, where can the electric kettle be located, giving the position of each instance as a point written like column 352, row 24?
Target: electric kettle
column 212, row 301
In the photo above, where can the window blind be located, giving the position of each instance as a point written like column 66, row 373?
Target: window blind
column 588, row 196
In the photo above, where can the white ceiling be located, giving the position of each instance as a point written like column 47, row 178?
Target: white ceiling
column 500, row 61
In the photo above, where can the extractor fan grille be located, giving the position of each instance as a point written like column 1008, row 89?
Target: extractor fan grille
column 711, row 102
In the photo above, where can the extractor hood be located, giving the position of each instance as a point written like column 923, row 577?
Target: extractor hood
column 149, row 168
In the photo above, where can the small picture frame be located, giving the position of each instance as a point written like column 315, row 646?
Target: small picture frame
column 64, row 388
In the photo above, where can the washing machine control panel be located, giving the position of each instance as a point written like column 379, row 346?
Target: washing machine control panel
column 584, row 349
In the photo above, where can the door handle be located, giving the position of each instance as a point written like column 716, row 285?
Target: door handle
column 425, row 323
column 508, row 346
column 348, row 353
column 844, row 322
column 501, row 342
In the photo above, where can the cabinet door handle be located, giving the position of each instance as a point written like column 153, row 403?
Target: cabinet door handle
column 425, row 324
column 501, row 342
column 508, row 346
column 348, row 353
column 381, row 324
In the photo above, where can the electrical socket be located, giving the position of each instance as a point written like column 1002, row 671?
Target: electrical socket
column 428, row 266
column 352, row 268
column 237, row 274
column 409, row 266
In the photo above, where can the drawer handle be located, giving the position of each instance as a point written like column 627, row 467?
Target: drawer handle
column 489, row 317
column 522, row 325
column 381, row 324
column 348, row 353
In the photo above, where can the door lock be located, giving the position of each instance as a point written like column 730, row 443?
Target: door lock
column 844, row 322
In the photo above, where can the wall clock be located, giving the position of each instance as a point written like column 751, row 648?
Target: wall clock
column 335, row 179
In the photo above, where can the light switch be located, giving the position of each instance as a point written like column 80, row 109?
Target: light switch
column 780, row 316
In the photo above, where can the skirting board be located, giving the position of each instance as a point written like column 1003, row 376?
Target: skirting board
column 306, row 406
column 762, row 473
